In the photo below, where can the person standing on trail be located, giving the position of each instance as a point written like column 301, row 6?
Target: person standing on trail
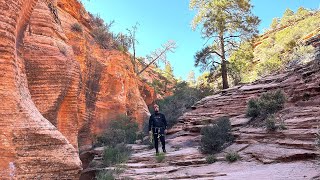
column 158, row 125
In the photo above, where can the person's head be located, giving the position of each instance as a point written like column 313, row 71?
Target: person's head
column 156, row 107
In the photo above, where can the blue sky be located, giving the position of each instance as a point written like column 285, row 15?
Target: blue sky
column 163, row 20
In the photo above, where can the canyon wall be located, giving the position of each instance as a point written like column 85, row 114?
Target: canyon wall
column 30, row 147
column 78, row 86
column 59, row 88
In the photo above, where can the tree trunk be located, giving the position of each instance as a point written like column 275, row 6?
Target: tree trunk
column 224, row 72
column 154, row 60
column 134, row 58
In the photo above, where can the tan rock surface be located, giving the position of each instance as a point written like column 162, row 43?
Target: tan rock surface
column 284, row 154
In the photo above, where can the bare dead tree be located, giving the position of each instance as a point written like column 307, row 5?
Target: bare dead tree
column 133, row 40
column 160, row 54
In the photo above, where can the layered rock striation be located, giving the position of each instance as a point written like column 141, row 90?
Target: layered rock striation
column 288, row 153
column 58, row 87
column 30, row 147
column 109, row 86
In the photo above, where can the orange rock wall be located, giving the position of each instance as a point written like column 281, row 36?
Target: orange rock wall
column 53, row 74
column 30, row 147
column 108, row 85
column 58, row 88
column 75, row 84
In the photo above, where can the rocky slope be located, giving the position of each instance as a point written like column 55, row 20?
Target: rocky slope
column 290, row 153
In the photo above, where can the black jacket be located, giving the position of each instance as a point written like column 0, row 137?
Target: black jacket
column 157, row 120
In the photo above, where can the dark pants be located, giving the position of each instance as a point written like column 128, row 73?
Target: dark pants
column 158, row 133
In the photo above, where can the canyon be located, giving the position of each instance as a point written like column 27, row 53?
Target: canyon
column 60, row 89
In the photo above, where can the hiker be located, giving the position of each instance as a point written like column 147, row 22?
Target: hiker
column 158, row 125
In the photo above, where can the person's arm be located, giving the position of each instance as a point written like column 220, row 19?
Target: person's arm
column 165, row 122
column 150, row 123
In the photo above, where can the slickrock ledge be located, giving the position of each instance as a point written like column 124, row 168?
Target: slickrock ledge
column 284, row 154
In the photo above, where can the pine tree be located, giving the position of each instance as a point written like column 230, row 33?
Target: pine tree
column 168, row 74
column 168, row 71
column 226, row 22
column 274, row 23
column 191, row 79
column 302, row 12
column 288, row 16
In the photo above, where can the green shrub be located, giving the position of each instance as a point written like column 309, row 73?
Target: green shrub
column 240, row 63
column 282, row 125
column 111, row 174
column 181, row 101
column 290, row 45
column 111, row 137
column 128, row 125
column 144, row 136
column 123, row 42
column 116, row 154
column 215, row 137
column 272, row 102
column 103, row 37
column 253, row 108
column 102, row 34
column 96, row 20
column 232, row 156
column 121, row 130
column 279, row 48
column 105, row 175
column 300, row 55
column 271, row 123
column 211, row 159
column 268, row 103
column 76, row 27
column 160, row 157
column 271, row 64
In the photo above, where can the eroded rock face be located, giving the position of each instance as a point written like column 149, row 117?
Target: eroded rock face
column 109, row 87
column 118, row 93
column 30, row 147
column 52, row 73
column 58, row 87
column 301, row 117
column 75, row 84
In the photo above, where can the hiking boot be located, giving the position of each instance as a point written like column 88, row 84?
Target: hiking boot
column 164, row 151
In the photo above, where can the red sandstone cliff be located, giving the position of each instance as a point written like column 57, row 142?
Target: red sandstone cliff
column 30, row 147
column 58, row 87
column 74, row 83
